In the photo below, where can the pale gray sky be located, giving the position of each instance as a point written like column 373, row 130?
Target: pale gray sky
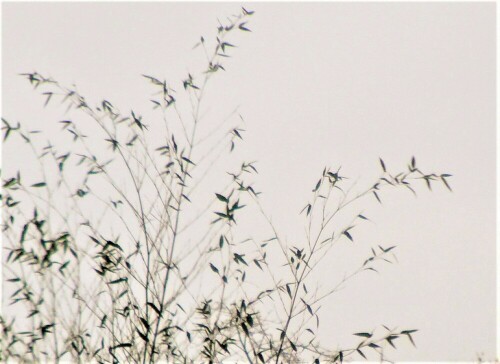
column 322, row 84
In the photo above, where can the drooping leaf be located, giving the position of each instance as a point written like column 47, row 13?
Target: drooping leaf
column 247, row 12
column 214, row 268
column 318, row 185
column 361, row 353
column 257, row 264
column 145, row 323
column 446, row 183
column 349, row 236
column 250, row 320
column 142, row 336
column 242, row 27
column 390, row 340
column 386, row 250
column 245, row 329
column 308, row 307
column 428, row 182
column 383, row 165
column 239, row 258
column 408, row 333
column 155, row 309
column 188, row 160
column 237, row 133
column 9, row 183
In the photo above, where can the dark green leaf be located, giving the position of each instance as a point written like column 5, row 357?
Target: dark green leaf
column 145, row 323
column 214, row 268
column 142, row 336
column 156, row 309
column 221, row 198
column 239, row 258
column 119, row 280
column 405, row 332
column 40, row 184
column 388, row 249
column 318, row 185
column 257, row 264
column 11, row 182
column 123, row 345
column 250, row 320
column 245, row 329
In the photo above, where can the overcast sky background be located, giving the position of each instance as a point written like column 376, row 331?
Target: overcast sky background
column 325, row 84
